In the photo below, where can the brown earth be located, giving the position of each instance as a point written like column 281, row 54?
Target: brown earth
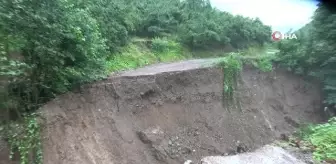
column 160, row 114
column 4, row 153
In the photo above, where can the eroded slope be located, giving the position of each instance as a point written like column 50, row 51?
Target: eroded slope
column 168, row 117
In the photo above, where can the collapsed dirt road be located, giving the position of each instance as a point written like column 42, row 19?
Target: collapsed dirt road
column 171, row 67
column 170, row 113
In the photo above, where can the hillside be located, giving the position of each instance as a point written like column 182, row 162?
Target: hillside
column 169, row 113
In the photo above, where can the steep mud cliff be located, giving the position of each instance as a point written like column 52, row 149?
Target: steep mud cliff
column 169, row 117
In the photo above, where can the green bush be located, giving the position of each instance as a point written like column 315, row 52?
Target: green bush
column 323, row 137
column 163, row 45
column 232, row 66
column 130, row 57
column 167, row 50
column 134, row 56
column 264, row 64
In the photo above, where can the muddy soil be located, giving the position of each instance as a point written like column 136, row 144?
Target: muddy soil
column 171, row 116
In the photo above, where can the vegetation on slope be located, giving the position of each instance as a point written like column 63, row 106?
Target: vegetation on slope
column 323, row 139
column 138, row 54
column 232, row 65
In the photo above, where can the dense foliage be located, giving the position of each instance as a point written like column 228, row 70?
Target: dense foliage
column 198, row 25
column 322, row 139
column 59, row 45
column 314, row 52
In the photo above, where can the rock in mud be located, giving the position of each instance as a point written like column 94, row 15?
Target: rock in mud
column 265, row 155
column 159, row 154
column 152, row 135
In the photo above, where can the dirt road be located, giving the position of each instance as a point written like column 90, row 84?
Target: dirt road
column 178, row 66
column 171, row 67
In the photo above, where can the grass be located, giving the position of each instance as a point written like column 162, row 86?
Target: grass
column 208, row 53
column 131, row 57
column 167, row 50
column 260, row 57
column 254, row 51
column 323, row 138
column 139, row 55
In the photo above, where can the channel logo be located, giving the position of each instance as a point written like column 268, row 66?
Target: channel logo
column 277, row 36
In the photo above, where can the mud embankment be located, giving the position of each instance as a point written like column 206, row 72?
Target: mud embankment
column 174, row 116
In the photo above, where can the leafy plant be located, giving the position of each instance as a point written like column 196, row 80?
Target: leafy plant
column 264, row 64
column 163, row 45
column 232, row 66
column 134, row 56
column 25, row 138
column 130, row 57
column 323, row 138
column 167, row 50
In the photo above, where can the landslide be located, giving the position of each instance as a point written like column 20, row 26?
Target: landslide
column 173, row 113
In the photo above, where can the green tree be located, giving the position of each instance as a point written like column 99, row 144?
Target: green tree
column 61, row 46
